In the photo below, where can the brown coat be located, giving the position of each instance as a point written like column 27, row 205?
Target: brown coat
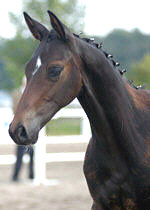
column 16, row 95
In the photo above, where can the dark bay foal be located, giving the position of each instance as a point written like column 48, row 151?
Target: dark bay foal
column 64, row 66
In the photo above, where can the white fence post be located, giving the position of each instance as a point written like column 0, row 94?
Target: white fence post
column 85, row 127
column 39, row 158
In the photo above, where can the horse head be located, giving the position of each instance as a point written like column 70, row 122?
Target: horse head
column 53, row 79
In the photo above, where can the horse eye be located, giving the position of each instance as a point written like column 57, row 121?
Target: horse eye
column 54, row 71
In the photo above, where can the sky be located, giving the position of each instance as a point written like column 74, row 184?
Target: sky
column 6, row 28
column 102, row 16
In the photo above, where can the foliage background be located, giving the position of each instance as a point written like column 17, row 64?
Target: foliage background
column 130, row 49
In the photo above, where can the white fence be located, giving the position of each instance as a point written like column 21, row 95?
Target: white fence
column 41, row 157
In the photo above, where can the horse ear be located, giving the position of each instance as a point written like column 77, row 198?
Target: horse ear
column 37, row 29
column 59, row 26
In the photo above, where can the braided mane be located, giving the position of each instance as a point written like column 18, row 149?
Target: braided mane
column 109, row 57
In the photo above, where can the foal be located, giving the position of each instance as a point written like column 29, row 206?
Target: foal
column 63, row 67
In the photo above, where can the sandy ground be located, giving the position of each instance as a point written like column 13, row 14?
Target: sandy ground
column 70, row 194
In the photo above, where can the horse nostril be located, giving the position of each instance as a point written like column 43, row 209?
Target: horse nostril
column 21, row 135
column 21, row 132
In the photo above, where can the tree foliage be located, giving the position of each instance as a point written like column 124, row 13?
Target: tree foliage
column 15, row 53
column 126, row 47
column 5, row 79
column 140, row 72
column 70, row 12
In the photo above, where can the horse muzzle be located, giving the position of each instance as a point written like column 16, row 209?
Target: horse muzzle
column 25, row 127
column 20, row 135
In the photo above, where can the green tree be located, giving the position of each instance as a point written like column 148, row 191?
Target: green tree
column 5, row 79
column 17, row 51
column 140, row 72
column 126, row 47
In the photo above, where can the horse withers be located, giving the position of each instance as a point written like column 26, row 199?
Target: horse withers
column 65, row 66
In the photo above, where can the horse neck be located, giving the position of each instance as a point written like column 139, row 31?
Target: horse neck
column 101, row 131
column 109, row 108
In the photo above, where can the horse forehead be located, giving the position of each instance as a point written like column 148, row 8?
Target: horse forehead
column 54, row 54
column 49, row 51
column 56, row 47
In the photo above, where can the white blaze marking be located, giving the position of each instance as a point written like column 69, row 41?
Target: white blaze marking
column 38, row 64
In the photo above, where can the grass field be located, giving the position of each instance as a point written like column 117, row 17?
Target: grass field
column 64, row 126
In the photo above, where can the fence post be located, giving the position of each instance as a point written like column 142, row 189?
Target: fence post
column 39, row 159
column 85, row 127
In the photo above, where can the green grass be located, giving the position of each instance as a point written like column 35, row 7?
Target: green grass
column 63, row 126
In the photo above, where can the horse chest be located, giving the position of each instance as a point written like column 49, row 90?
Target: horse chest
column 101, row 185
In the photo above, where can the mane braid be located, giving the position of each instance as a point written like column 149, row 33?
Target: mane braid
column 115, row 64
